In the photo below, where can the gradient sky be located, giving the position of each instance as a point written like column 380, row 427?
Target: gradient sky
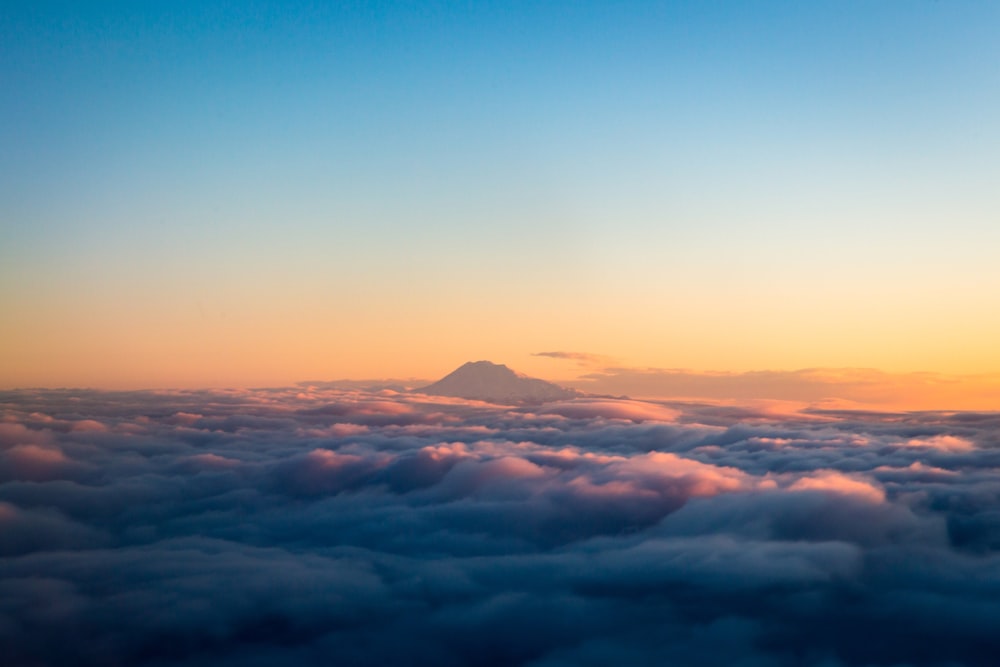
column 256, row 193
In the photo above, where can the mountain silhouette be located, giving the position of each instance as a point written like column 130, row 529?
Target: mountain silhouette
column 486, row 381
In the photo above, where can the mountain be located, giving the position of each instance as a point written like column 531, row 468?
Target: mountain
column 486, row 381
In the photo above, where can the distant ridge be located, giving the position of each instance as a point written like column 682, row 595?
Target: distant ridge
column 486, row 381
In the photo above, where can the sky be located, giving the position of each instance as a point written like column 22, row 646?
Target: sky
column 258, row 193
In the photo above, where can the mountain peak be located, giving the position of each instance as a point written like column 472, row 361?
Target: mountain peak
column 496, row 383
column 483, row 366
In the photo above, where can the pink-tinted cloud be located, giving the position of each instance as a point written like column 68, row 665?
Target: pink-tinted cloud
column 12, row 433
column 611, row 409
column 944, row 443
column 35, row 454
column 213, row 461
column 88, row 425
column 835, row 482
column 689, row 477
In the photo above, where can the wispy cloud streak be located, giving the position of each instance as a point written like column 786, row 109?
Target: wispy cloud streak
column 584, row 359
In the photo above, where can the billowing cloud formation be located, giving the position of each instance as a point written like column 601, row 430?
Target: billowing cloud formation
column 321, row 525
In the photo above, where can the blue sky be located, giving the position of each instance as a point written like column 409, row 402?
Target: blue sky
column 175, row 147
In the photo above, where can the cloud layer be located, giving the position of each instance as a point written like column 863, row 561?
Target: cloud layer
column 316, row 525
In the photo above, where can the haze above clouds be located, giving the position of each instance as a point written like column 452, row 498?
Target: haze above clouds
column 865, row 388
